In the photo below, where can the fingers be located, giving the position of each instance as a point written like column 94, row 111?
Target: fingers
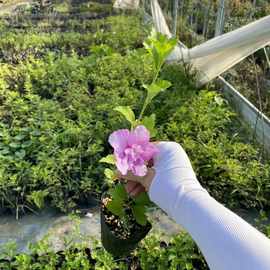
column 134, row 188
column 144, row 181
column 130, row 177
column 136, row 191
column 130, row 186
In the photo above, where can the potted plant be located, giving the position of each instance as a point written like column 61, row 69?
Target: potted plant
column 123, row 218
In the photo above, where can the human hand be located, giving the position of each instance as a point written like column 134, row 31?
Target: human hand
column 137, row 184
column 171, row 160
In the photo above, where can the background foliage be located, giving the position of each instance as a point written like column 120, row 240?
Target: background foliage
column 58, row 92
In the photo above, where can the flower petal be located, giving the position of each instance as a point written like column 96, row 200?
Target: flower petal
column 122, row 165
column 150, row 151
column 119, row 140
column 132, row 150
column 139, row 170
column 140, row 135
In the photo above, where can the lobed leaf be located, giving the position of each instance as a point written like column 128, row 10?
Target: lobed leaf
column 159, row 46
column 155, row 88
column 149, row 122
column 139, row 214
column 142, row 199
column 127, row 112
column 110, row 159
column 116, row 207
column 110, row 174
column 119, row 193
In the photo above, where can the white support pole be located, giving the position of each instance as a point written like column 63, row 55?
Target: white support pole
column 207, row 11
column 267, row 56
column 220, row 18
column 175, row 16
column 254, row 4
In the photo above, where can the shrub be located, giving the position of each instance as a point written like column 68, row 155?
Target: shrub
column 16, row 46
column 228, row 166
column 57, row 112
column 55, row 125
column 180, row 253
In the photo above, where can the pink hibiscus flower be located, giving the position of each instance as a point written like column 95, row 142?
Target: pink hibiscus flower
column 132, row 150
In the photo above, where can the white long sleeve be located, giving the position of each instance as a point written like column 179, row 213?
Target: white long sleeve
column 226, row 240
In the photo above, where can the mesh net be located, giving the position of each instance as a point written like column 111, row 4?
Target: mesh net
column 219, row 54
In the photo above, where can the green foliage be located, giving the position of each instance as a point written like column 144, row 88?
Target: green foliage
column 142, row 199
column 57, row 92
column 127, row 112
column 110, row 175
column 180, row 253
column 110, row 34
column 54, row 125
column 118, row 198
column 139, row 214
column 118, row 204
column 150, row 122
column 38, row 197
column 226, row 163
column 139, row 208
column 155, row 88
column 110, row 159
column 159, row 47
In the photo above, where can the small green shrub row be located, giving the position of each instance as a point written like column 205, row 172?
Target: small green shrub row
column 57, row 112
column 16, row 46
column 56, row 115
column 180, row 253
column 227, row 164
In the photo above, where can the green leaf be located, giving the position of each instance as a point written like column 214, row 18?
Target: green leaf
column 139, row 214
column 159, row 46
column 219, row 100
column 5, row 151
column 116, row 207
column 110, row 175
column 38, row 197
column 26, row 144
column 127, row 112
column 35, row 133
column 118, row 197
column 19, row 137
column 102, row 50
column 14, row 145
column 119, row 193
column 149, row 122
column 20, row 154
column 155, row 88
column 110, row 159
column 142, row 199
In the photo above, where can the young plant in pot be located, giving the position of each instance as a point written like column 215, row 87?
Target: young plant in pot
column 123, row 217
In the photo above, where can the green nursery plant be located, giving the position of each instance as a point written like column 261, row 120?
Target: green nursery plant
column 118, row 201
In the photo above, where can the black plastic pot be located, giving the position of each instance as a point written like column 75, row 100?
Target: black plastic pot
column 120, row 247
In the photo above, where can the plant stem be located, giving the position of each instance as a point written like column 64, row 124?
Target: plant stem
column 146, row 100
